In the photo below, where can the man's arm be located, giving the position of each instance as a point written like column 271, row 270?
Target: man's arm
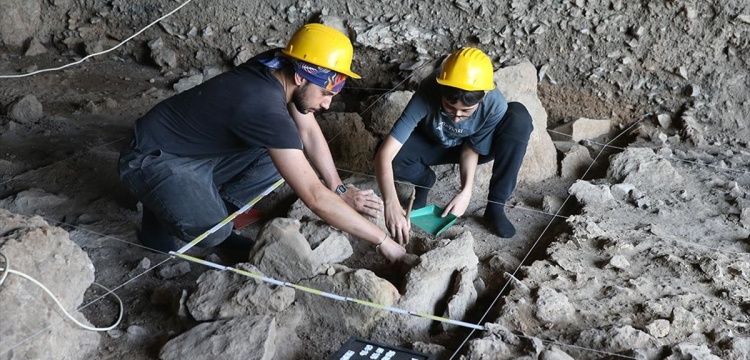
column 319, row 154
column 296, row 170
column 395, row 216
column 468, row 167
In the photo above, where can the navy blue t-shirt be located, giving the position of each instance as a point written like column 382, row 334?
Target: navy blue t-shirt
column 240, row 109
column 424, row 111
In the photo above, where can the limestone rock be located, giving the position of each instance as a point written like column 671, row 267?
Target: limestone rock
column 519, row 83
column 25, row 109
column 46, row 254
column 246, row 338
column 581, row 129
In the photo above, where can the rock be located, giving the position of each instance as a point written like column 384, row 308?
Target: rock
column 174, row 269
column 19, row 21
column 664, row 120
column 616, row 339
column 619, row 262
column 642, row 168
column 658, row 328
column 519, row 83
column 358, row 284
column 552, row 204
column 226, row 294
column 554, row 354
column 553, row 307
column 25, row 109
column 46, row 254
column 188, row 83
column 691, row 351
column 745, row 218
column 429, row 282
column 246, row 338
column 576, row 162
column 464, row 297
column 581, row 129
column 161, row 55
column 590, row 194
column 34, row 48
column 281, row 252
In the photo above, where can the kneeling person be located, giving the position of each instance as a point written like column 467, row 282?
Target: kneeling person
column 456, row 116
column 203, row 153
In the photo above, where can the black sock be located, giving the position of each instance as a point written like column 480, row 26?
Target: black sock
column 495, row 217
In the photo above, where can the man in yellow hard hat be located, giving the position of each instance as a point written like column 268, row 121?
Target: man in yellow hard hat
column 456, row 116
column 201, row 154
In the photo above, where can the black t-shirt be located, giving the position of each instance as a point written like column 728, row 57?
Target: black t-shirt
column 240, row 109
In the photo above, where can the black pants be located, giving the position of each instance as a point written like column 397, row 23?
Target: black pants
column 419, row 152
column 187, row 196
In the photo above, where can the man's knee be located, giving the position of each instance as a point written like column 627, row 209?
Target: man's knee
column 517, row 122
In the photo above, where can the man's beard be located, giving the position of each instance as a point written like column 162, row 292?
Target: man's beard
column 300, row 100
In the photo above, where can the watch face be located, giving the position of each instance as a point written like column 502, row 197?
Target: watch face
column 341, row 189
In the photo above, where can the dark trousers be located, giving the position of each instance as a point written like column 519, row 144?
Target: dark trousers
column 419, row 152
column 186, row 195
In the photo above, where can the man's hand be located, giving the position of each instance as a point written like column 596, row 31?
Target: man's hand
column 392, row 251
column 397, row 223
column 458, row 205
column 364, row 201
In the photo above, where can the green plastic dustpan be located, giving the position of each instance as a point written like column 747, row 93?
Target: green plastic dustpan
column 428, row 219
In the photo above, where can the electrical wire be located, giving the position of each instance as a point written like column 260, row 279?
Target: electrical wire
column 100, row 52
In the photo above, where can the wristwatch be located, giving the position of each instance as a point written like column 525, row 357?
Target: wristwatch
column 341, row 189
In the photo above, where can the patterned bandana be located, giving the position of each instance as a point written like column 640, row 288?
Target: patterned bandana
column 327, row 79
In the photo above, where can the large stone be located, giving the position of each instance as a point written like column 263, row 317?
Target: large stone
column 29, row 321
column 519, row 83
column 246, row 338
column 25, row 109
column 553, row 307
column 358, row 284
column 225, row 294
column 576, row 162
column 430, row 284
column 464, row 298
column 581, row 129
column 642, row 168
column 19, row 20
column 282, row 252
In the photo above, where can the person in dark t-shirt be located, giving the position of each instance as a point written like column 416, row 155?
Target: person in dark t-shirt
column 456, row 116
column 206, row 152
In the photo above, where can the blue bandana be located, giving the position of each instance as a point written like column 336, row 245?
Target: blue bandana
column 325, row 78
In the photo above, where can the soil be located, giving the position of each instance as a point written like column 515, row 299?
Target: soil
column 624, row 61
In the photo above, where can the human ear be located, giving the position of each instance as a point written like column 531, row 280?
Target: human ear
column 299, row 80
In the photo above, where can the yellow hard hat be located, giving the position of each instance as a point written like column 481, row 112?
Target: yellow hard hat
column 468, row 69
column 324, row 46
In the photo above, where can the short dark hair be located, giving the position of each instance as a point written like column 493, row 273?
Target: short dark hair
column 468, row 97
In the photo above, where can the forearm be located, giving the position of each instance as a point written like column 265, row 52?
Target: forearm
column 319, row 154
column 384, row 172
column 316, row 147
column 468, row 166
